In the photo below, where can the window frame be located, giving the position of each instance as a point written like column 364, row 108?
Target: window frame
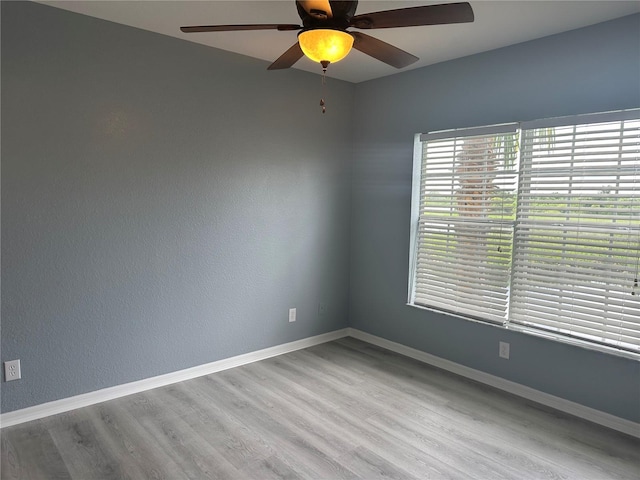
column 416, row 202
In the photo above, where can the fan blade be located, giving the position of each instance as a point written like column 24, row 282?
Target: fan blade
column 382, row 50
column 415, row 16
column 236, row 28
column 288, row 58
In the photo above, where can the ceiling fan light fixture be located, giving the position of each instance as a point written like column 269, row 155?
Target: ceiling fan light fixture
column 325, row 45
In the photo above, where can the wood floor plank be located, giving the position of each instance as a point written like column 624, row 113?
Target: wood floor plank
column 225, row 431
column 481, row 405
column 84, row 451
column 341, row 410
column 372, row 466
column 414, row 459
column 192, row 453
column 137, row 450
column 376, row 392
column 456, row 450
column 377, row 442
column 293, row 447
column 31, row 454
column 342, row 396
column 304, row 423
column 412, row 404
column 270, row 468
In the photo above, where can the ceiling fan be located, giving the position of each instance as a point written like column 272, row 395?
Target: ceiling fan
column 324, row 38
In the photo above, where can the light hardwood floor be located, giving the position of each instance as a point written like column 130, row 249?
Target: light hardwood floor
column 341, row 410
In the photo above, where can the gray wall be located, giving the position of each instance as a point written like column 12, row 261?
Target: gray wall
column 163, row 204
column 587, row 70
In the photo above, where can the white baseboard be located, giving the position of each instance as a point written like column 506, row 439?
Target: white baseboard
column 567, row 406
column 66, row 404
column 84, row 400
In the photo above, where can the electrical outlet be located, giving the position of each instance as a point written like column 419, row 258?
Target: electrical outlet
column 292, row 315
column 504, row 350
column 12, row 370
column 322, row 309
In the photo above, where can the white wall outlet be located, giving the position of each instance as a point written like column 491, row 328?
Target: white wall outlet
column 292, row 315
column 322, row 309
column 12, row 370
column 503, row 350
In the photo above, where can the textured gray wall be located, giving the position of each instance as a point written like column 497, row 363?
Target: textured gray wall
column 163, row 204
column 587, row 70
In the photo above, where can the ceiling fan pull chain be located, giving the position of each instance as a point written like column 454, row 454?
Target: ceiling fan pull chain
column 324, row 89
column 325, row 64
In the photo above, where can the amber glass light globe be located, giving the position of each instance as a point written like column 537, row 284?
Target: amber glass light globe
column 324, row 45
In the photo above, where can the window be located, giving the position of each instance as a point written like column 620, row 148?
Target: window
column 534, row 226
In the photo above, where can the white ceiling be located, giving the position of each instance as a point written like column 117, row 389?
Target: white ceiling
column 497, row 24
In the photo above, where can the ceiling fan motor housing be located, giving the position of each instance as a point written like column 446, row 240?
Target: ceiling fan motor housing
column 338, row 19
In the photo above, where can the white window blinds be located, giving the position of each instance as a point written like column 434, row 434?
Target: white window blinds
column 465, row 226
column 578, row 229
column 538, row 228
